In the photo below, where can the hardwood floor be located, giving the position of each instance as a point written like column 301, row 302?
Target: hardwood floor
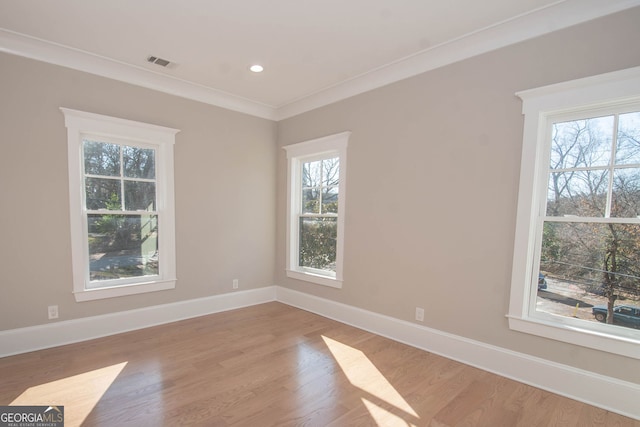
column 274, row 365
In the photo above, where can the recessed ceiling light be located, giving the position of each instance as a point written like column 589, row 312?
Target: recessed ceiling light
column 257, row 68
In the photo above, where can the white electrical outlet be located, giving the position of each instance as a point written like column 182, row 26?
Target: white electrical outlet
column 235, row 283
column 53, row 311
column 420, row 314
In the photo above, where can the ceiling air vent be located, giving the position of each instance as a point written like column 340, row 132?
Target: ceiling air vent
column 158, row 61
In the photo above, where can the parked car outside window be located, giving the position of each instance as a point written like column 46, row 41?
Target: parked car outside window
column 542, row 281
column 625, row 315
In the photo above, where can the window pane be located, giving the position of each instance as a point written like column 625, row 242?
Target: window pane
column 581, row 193
column 310, row 201
column 331, row 172
column 311, row 174
column 582, row 143
column 318, row 243
column 122, row 246
column 586, row 264
column 330, row 200
column 628, row 150
column 139, row 162
column 626, row 193
column 101, row 158
column 103, row 193
column 139, row 196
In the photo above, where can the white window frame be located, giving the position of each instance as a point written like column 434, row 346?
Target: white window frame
column 541, row 107
column 162, row 139
column 297, row 154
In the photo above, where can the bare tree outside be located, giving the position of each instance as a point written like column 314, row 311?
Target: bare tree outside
column 591, row 232
column 319, row 220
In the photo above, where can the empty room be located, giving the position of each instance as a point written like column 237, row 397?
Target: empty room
column 320, row 213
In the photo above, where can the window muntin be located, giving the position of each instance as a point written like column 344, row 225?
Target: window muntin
column 589, row 234
column 315, row 220
column 122, row 243
column 122, row 205
column 318, row 215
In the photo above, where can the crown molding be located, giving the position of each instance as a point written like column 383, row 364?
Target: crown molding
column 555, row 17
column 42, row 50
column 562, row 14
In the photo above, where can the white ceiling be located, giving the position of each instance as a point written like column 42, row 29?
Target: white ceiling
column 314, row 51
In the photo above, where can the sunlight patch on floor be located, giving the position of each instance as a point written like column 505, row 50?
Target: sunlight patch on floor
column 362, row 373
column 382, row 417
column 78, row 394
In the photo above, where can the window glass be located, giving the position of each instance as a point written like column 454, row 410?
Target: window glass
column 628, row 149
column 318, row 222
column 625, row 202
column 310, row 201
column 579, row 192
column 590, row 245
column 122, row 246
column 139, row 196
column 101, row 158
column 330, row 200
column 103, row 193
column 318, row 243
column 139, row 162
column 581, row 143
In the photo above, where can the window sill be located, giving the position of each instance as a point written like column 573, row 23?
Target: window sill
column 628, row 346
column 118, row 291
column 315, row 278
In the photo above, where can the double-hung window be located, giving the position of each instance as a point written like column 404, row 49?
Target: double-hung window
column 121, row 199
column 316, row 195
column 577, row 249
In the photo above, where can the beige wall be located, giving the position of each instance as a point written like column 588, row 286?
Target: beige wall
column 432, row 186
column 225, row 169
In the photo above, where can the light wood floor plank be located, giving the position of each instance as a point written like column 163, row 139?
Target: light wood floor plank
column 274, row 365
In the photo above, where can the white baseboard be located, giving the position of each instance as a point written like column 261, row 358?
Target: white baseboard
column 598, row 390
column 33, row 338
column 604, row 392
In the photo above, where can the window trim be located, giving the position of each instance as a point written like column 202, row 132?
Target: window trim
column 325, row 147
column 80, row 123
column 540, row 106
